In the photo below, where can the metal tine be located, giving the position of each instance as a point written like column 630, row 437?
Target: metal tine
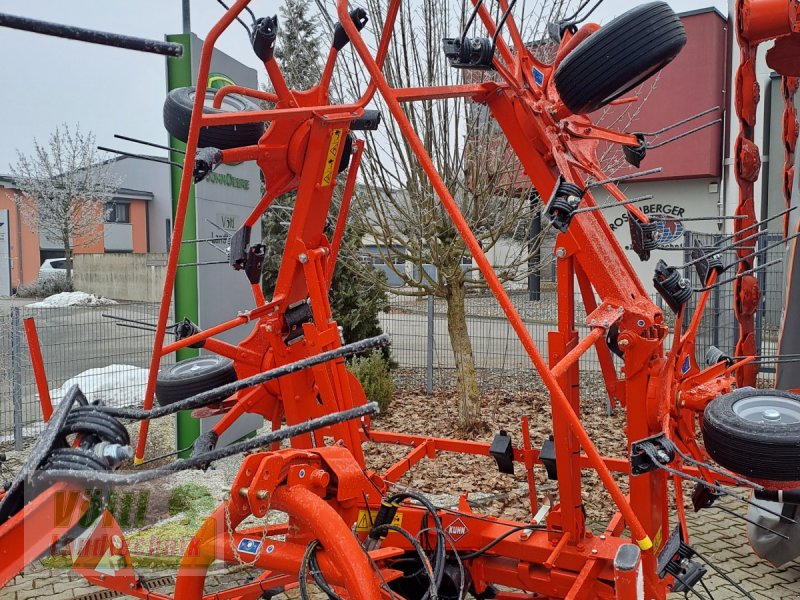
column 690, row 588
column 137, row 322
column 738, row 275
column 755, row 225
column 679, row 123
column 775, row 361
column 165, row 161
column 154, row 145
column 210, row 222
column 759, row 525
column 683, row 135
column 733, row 476
column 720, row 490
column 613, row 204
column 212, row 239
column 735, row 246
column 470, row 21
column 202, row 264
column 745, row 230
column 723, row 574
column 770, row 247
column 713, row 251
column 151, row 330
column 721, row 218
column 217, row 248
column 766, row 356
column 623, row 177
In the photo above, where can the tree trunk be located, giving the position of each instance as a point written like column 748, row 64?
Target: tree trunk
column 469, row 406
column 68, row 264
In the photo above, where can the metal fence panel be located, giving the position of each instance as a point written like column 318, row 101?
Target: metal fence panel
column 73, row 340
column 421, row 344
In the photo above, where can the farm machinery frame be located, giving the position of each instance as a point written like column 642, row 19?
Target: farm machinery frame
column 347, row 530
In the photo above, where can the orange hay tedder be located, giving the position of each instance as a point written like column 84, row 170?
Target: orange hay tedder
column 291, row 368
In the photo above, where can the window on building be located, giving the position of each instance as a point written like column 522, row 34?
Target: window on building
column 118, row 212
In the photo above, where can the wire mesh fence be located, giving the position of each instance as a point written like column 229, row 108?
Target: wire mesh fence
column 421, row 344
column 79, row 344
column 111, row 360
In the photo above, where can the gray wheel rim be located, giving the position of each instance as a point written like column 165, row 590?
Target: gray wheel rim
column 770, row 410
column 195, row 366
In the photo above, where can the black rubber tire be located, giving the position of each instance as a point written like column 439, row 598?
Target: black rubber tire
column 619, row 56
column 766, row 451
column 178, row 115
column 192, row 376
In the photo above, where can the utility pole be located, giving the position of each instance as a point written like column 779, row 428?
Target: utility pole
column 187, row 20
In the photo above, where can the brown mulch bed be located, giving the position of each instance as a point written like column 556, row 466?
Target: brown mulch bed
column 416, row 413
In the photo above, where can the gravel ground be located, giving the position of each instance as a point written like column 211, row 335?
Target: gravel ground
column 449, row 475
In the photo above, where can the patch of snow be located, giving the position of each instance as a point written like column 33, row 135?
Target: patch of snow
column 71, row 299
column 115, row 385
column 28, row 431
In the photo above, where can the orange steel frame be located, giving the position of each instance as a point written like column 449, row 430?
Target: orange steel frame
column 325, row 487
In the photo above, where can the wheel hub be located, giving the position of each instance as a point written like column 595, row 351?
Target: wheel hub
column 768, row 409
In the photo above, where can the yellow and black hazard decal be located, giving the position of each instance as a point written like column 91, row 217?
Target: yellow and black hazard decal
column 366, row 519
column 330, row 162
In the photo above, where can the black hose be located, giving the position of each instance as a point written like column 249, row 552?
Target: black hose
column 433, row 586
column 499, row 539
column 440, row 551
column 136, row 477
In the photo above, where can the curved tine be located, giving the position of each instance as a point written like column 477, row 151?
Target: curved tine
column 679, row 123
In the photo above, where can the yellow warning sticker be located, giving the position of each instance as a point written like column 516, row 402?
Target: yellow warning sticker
column 366, row 519
column 658, row 539
column 330, row 162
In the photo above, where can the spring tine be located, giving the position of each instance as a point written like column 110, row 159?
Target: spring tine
column 755, row 225
column 721, row 490
column 679, row 123
column 738, row 275
column 683, row 135
column 759, row 525
column 127, row 320
column 724, row 575
column 770, row 247
column 165, row 161
column 202, row 264
column 222, row 229
column 688, row 587
column 699, row 463
column 623, row 178
column 613, row 204
column 137, row 141
column 212, row 239
column 217, row 248
column 132, row 326
column 713, row 251
column 766, row 356
column 720, row 218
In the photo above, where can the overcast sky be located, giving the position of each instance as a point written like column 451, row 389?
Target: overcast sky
column 47, row 81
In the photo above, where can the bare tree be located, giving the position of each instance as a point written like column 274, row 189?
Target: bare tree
column 397, row 208
column 63, row 187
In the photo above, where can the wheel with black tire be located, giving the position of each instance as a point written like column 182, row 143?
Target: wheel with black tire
column 178, row 115
column 193, row 376
column 755, row 433
column 619, row 56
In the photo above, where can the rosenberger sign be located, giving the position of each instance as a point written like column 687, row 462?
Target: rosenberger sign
column 666, row 216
